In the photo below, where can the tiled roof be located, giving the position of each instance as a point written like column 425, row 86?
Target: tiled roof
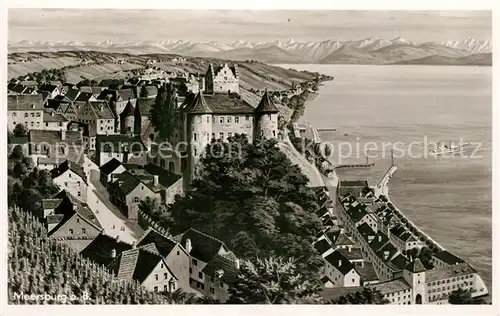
column 204, row 247
column 198, row 105
column 23, row 102
column 379, row 241
column 84, row 97
column 110, row 166
column 128, row 110
column 72, row 94
column 47, row 87
column 165, row 177
column 387, row 252
column 52, row 116
column 48, row 204
column 357, row 213
column 337, row 260
column 392, row 286
column 354, row 254
column 117, row 143
column 343, row 239
column 365, row 230
column 79, row 125
column 399, row 262
column 266, row 105
column 322, row 246
column 93, row 90
column 447, row 257
column 228, row 267
column 125, row 184
column 73, row 138
column 126, row 94
column 366, row 271
column 219, row 103
column 447, row 272
column 135, row 264
column 335, row 293
column 99, row 250
column 163, row 244
column 415, row 266
column 68, row 165
column 102, row 109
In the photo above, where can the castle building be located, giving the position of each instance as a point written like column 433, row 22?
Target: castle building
column 217, row 114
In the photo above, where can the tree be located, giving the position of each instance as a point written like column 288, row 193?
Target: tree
column 250, row 196
column 20, row 130
column 144, row 92
column 183, row 89
column 272, row 280
column 366, row 296
column 163, row 112
column 461, row 296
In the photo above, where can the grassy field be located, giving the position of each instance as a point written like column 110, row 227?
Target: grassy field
column 75, row 75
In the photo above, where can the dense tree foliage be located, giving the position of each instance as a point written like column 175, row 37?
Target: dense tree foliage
column 250, row 196
column 27, row 185
column 461, row 296
column 144, row 92
column 87, row 83
column 366, row 296
column 272, row 281
column 20, row 130
column 162, row 115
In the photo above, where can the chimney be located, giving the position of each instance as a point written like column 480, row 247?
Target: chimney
column 237, row 263
column 370, row 238
column 386, row 254
column 379, row 238
column 113, row 253
column 188, row 247
column 63, row 135
column 155, row 180
column 52, row 113
column 340, row 263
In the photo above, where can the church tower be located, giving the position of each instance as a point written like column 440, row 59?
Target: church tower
column 266, row 118
column 414, row 274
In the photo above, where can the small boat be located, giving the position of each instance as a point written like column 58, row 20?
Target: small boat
column 450, row 149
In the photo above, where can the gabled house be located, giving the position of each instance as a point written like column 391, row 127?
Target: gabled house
column 26, row 109
column 125, row 148
column 175, row 257
column 110, row 171
column 71, row 177
column 59, row 145
column 341, row 271
column 71, row 222
column 53, row 121
column 53, row 90
column 212, row 265
column 147, row 268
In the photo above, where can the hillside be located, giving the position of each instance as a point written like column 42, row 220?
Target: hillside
column 253, row 75
column 476, row 60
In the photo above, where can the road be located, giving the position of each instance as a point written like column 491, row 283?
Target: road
column 112, row 220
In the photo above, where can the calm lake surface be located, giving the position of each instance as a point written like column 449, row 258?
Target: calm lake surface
column 448, row 198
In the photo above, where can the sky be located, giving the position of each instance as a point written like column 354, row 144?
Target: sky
column 96, row 25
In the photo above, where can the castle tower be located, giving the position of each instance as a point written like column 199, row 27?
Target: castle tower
column 127, row 119
column 199, row 134
column 222, row 79
column 266, row 118
column 414, row 274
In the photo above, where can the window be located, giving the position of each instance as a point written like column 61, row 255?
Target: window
column 213, row 135
column 195, row 136
column 208, row 119
column 221, row 120
column 200, row 275
column 25, row 114
column 247, row 117
column 212, row 290
column 199, row 119
column 237, row 119
column 161, row 265
column 78, row 183
column 136, row 199
column 195, row 151
column 32, row 124
column 195, row 262
column 165, row 288
column 213, row 119
column 84, row 231
column 78, row 220
column 229, row 119
column 156, row 277
column 70, row 231
column 165, row 276
column 221, row 135
column 65, row 184
column 38, row 115
column 190, row 270
column 14, row 114
column 178, row 252
column 79, row 193
column 202, row 286
column 156, row 289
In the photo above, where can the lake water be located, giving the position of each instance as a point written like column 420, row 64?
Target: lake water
column 448, row 198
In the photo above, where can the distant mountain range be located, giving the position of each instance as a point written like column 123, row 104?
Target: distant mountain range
column 364, row 51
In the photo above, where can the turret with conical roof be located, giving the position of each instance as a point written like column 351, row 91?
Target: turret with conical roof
column 127, row 119
column 414, row 274
column 198, row 105
column 266, row 118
